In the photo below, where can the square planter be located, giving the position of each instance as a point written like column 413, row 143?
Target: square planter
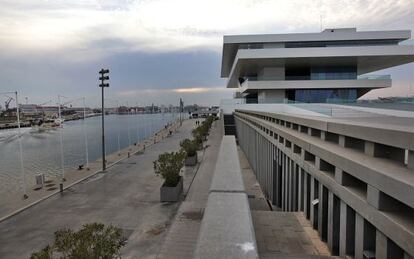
column 191, row 160
column 171, row 194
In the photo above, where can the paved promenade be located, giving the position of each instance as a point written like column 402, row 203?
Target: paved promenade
column 127, row 196
column 10, row 203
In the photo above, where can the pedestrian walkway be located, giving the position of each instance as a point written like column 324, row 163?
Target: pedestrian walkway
column 12, row 203
column 182, row 237
column 126, row 196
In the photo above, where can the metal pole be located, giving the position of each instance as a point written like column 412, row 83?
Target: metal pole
column 136, row 114
column 152, row 119
column 62, row 164
column 59, row 109
column 103, row 130
column 61, row 154
column 85, row 133
column 21, row 149
column 119, row 131
column 129, row 134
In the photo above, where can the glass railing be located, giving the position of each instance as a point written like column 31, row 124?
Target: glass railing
column 298, row 78
column 374, row 77
column 328, row 108
column 316, row 108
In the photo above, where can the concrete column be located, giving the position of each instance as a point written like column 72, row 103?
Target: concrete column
column 295, row 188
column 341, row 140
column 287, row 178
column 339, row 175
column 287, row 183
column 317, row 162
column 305, row 192
column 380, row 246
column 359, row 236
column 320, row 210
column 283, row 181
column 302, row 154
column 271, row 156
column 369, row 148
column 347, row 230
column 323, row 135
column 410, row 164
column 330, row 220
column 266, row 171
column 292, row 185
column 290, row 175
column 300, row 190
column 380, row 200
column 373, row 196
column 312, row 194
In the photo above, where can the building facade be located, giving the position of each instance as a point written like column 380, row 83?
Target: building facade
column 329, row 66
column 350, row 170
column 353, row 181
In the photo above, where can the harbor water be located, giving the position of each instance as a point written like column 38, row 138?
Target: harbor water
column 42, row 149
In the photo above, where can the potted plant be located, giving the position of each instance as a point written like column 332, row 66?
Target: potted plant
column 168, row 166
column 94, row 240
column 190, row 147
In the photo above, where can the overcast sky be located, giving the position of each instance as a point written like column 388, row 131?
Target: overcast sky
column 160, row 50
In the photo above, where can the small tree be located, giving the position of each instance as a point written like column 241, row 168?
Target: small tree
column 168, row 166
column 93, row 241
column 189, row 146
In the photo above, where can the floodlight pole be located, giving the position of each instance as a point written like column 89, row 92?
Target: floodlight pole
column 20, row 148
column 85, row 134
column 103, row 77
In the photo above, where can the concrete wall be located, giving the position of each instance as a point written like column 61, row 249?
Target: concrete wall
column 360, row 203
column 227, row 228
column 276, row 73
column 269, row 96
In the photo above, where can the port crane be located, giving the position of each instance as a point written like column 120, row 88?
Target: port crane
column 7, row 103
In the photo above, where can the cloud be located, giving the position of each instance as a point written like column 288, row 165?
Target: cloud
column 52, row 47
column 176, row 25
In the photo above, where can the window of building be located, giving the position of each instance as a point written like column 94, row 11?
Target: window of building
column 322, row 95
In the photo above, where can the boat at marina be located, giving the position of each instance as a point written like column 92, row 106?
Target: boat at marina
column 45, row 125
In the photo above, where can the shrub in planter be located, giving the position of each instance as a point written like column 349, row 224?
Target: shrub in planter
column 190, row 147
column 168, row 166
column 94, row 240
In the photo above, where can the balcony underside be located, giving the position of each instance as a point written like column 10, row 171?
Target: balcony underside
column 249, row 86
column 249, row 62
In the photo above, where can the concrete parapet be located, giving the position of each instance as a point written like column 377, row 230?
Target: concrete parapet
column 227, row 228
column 227, row 175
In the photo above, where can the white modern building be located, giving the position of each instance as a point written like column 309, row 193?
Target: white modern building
column 348, row 169
column 330, row 66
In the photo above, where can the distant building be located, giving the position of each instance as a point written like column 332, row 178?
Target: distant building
column 29, row 110
column 49, row 111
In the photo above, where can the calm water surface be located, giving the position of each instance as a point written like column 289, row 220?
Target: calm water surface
column 42, row 150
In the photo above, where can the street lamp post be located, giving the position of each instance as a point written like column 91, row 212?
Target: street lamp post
column 25, row 196
column 103, row 77
column 85, row 134
column 181, row 110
